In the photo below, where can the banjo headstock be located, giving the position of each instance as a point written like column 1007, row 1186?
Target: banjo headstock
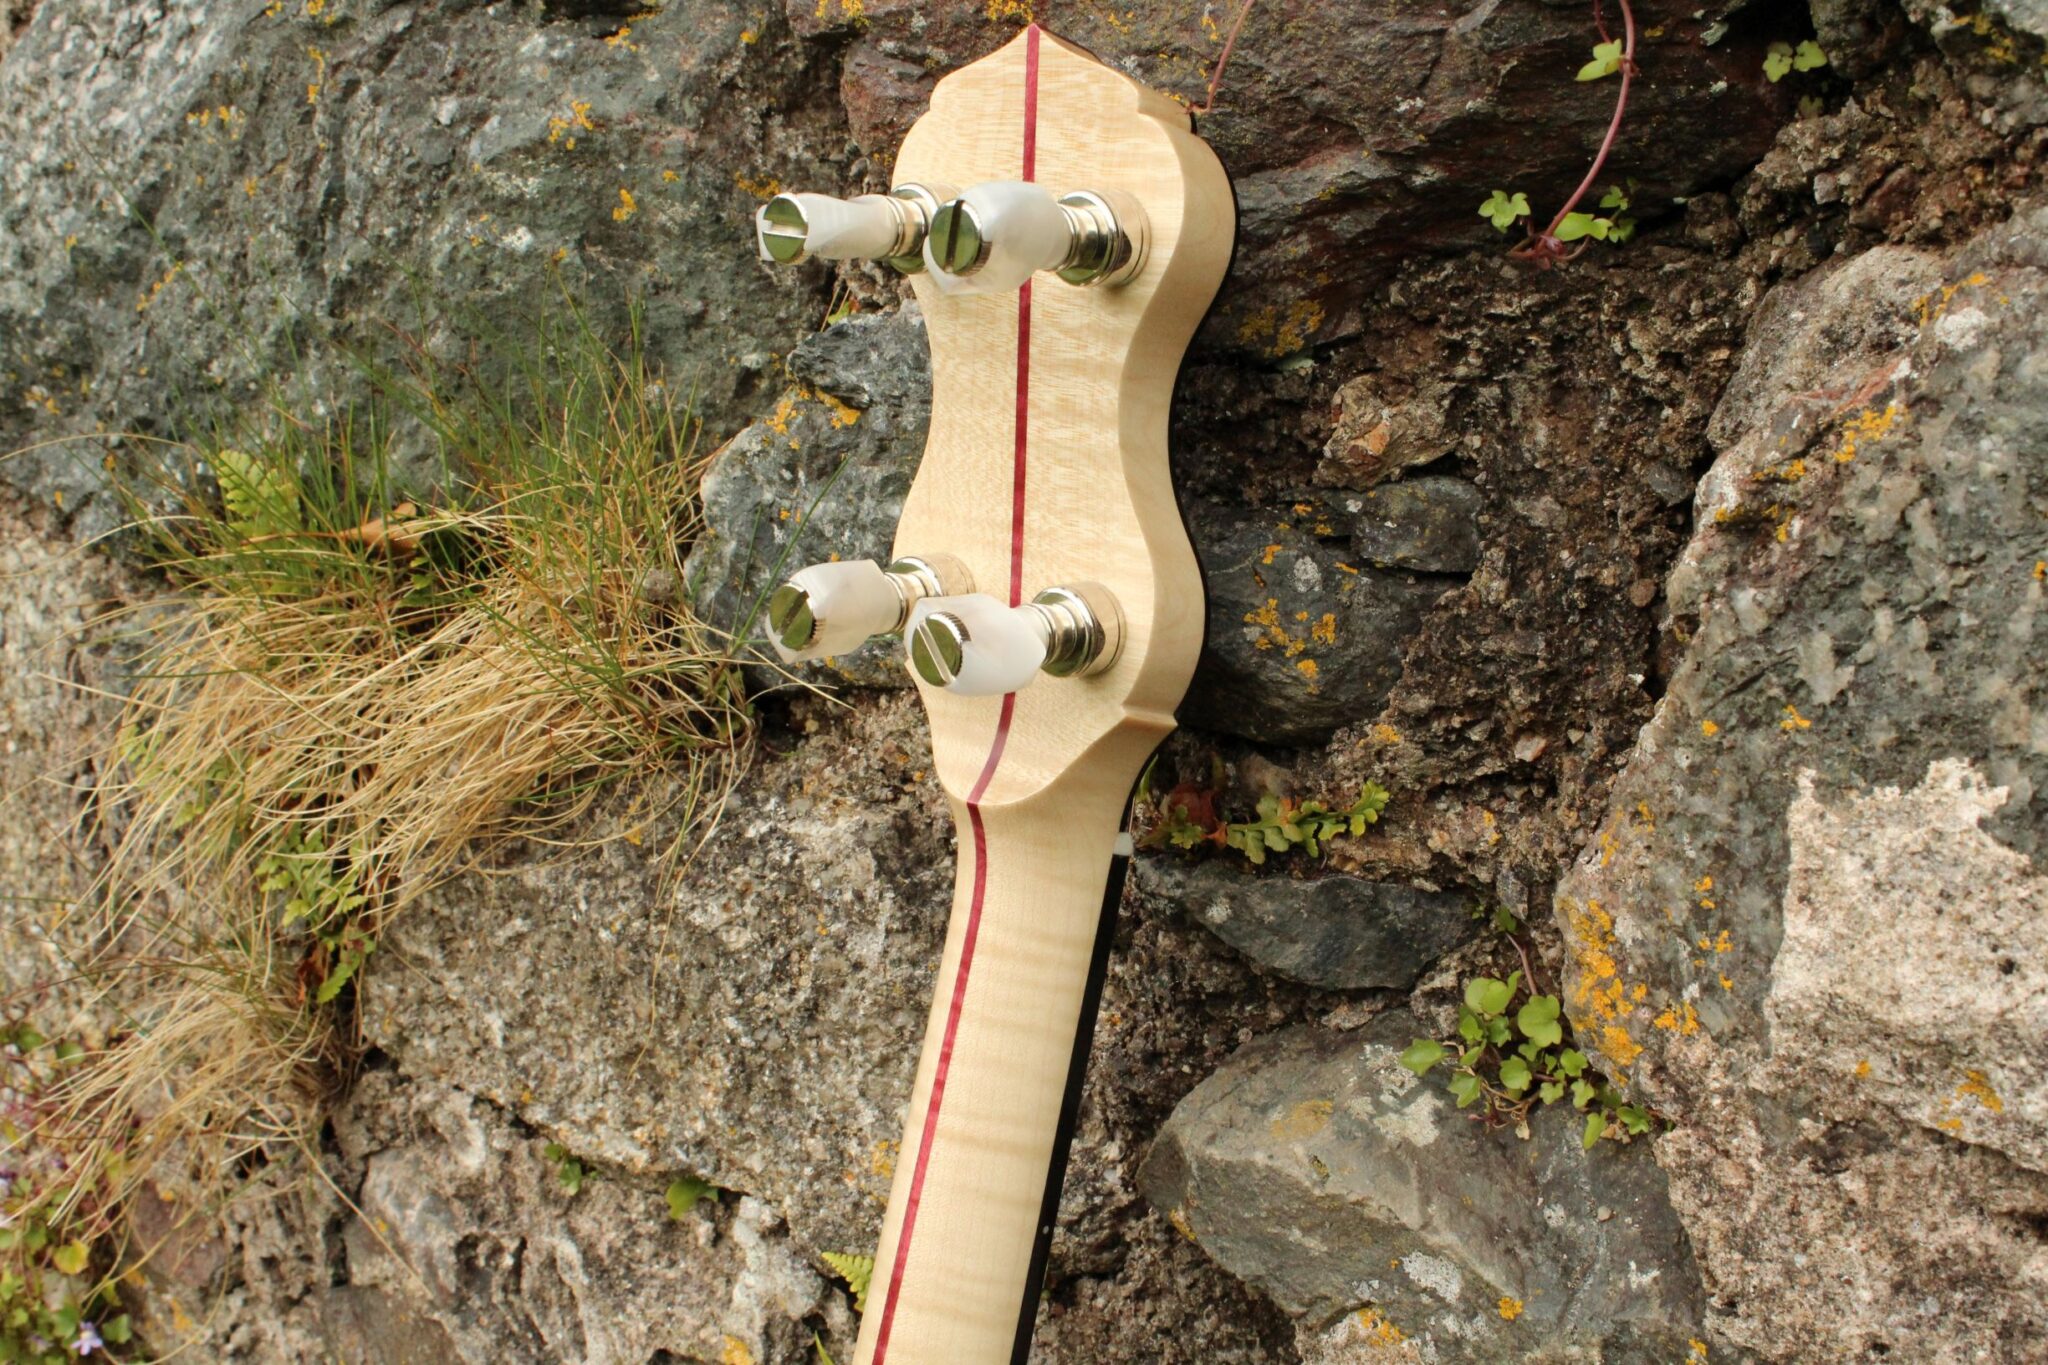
column 1065, row 231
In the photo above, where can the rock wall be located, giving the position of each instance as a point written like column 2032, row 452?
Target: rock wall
column 1681, row 596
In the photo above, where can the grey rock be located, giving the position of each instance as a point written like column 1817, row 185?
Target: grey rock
column 602, row 1274
column 1300, row 638
column 1430, row 525
column 823, row 477
column 199, row 195
column 1334, row 931
column 1809, row 930
column 1318, row 1168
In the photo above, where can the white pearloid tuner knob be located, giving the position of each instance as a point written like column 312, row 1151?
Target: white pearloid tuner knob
column 835, row 608
column 997, row 235
column 890, row 227
column 975, row 646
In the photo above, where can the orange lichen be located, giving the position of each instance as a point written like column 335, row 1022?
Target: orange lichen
column 1867, row 426
column 1510, row 1309
column 1679, row 1019
column 1794, row 721
column 1709, row 729
column 1379, row 1329
column 1975, row 1086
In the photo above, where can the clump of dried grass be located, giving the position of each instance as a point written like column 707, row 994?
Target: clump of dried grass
column 355, row 698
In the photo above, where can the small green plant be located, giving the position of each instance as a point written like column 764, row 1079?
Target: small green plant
column 1782, row 59
column 1188, row 819
column 857, row 1271
column 572, row 1172
column 1513, row 1059
column 684, row 1193
column 1554, row 243
column 54, row 1213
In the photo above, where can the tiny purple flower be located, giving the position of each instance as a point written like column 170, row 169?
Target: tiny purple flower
column 88, row 1339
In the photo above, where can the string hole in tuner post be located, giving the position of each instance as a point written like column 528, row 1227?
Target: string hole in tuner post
column 997, row 235
column 887, row 227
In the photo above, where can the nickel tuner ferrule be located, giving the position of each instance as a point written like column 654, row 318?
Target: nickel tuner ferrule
column 975, row 646
column 830, row 609
column 887, row 227
column 996, row 236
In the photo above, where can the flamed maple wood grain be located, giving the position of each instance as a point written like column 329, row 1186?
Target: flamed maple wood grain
column 1037, row 782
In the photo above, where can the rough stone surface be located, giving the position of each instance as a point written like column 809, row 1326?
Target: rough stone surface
column 1334, row 932
column 822, row 477
column 1806, row 930
column 199, row 192
column 1508, row 459
column 1300, row 640
column 1317, row 1167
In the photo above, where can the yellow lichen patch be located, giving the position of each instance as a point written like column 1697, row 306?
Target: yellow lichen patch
column 1794, row 721
column 1928, row 307
column 1266, row 557
column 669, row 177
column 1307, row 668
column 1709, row 729
column 626, row 207
column 563, row 130
column 1975, row 1086
column 843, row 415
column 767, row 187
column 882, row 1160
column 1281, row 332
column 1510, row 1309
column 1384, row 733
column 1679, row 1019
column 142, row 304
column 748, row 37
column 1008, row 11
column 1304, row 1120
column 1698, row 1349
column 1863, row 1069
column 736, row 1352
column 1867, row 426
column 1324, row 631
column 2040, row 565
column 1179, row 1219
column 1618, row 1046
column 1380, row 1329
column 778, row 421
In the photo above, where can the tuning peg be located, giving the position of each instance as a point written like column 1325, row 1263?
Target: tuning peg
column 890, row 227
column 996, row 236
column 834, row 608
column 977, row 647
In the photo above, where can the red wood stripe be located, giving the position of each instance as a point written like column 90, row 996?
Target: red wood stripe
column 979, row 834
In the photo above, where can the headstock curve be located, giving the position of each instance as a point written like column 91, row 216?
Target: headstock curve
column 1054, row 470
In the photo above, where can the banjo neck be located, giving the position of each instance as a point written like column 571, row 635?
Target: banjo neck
column 1065, row 231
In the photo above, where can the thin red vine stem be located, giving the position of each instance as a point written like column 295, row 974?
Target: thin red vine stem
column 1223, row 60
column 1628, row 70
